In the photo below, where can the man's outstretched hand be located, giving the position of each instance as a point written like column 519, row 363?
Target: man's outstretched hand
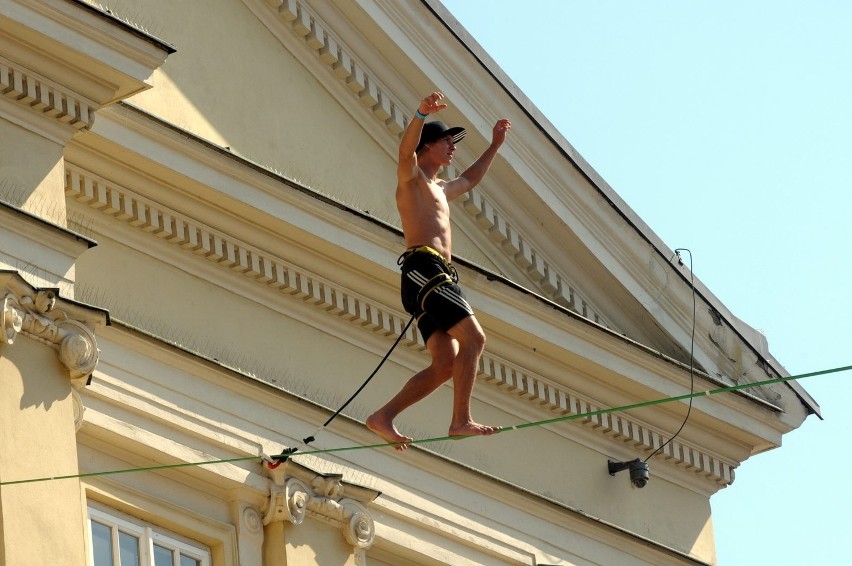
column 501, row 128
column 432, row 104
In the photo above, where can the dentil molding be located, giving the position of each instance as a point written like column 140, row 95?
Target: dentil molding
column 31, row 91
column 64, row 60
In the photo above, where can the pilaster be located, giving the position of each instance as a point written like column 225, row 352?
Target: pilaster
column 47, row 349
column 250, row 535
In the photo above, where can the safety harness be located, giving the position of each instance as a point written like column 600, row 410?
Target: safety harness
column 435, row 282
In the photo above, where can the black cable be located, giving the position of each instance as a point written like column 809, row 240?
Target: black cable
column 691, row 351
column 375, row 371
column 308, row 439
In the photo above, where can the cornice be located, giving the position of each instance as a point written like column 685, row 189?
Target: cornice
column 131, row 49
column 193, row 238
column 233, row 254
column 27, row 236
column 334, row 64
column 63, row 59
column 45, row 227
column 549, row 279
column 91, row 53
column 69, row 329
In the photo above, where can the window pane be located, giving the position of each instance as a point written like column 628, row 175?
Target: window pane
column 162, row 556
column 128, row 546
column 187, row 561
column 101, row 544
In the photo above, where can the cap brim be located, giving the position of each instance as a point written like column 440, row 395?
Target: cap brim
column 457, row 133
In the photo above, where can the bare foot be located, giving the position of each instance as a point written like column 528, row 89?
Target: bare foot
column 471, row 428
column 385, row 429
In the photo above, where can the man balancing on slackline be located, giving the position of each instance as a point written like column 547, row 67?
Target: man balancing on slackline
column 429, row 283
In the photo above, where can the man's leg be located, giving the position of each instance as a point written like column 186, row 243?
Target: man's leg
column 471, row 340
column 443, row 349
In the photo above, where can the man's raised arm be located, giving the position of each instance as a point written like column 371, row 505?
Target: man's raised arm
column 474, row 174
column 407, row 166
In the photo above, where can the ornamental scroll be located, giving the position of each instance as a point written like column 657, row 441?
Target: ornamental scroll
column 296, row 491
column 35, row 316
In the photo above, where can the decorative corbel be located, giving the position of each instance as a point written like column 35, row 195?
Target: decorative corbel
column 79, row 409
column 35, row 316
column 296, row 491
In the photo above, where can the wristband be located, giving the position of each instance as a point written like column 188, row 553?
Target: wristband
column 419, row 115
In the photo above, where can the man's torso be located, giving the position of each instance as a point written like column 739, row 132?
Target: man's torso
column 425, row 214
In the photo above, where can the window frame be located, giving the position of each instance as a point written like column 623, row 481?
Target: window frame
column 146, row 533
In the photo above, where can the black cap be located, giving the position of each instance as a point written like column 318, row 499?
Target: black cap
column 436, row 130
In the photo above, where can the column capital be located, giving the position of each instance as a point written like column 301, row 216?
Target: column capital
column 42, row 315
column 296, row 491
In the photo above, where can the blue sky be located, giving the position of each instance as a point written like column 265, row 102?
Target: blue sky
column 726, row 126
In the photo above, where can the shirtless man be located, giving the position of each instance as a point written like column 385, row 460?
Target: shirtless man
column 429, row 290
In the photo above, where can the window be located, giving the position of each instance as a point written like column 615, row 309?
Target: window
column 118, row 540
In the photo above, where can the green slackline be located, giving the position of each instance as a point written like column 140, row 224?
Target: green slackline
column 285, row 456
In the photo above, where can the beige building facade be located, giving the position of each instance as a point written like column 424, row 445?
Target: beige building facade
column 198, row 261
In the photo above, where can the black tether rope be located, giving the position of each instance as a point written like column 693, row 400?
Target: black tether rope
column 308, row 439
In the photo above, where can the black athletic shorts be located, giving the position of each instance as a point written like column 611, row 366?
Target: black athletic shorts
column 430, row 291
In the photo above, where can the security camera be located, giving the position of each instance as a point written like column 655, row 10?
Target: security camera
column 640, row 473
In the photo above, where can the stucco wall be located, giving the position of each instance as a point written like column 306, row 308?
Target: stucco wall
column 232, row 83
column 37, row 440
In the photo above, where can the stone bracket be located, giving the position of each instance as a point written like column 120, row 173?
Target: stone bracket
column 33, row 313
column 296, row 491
